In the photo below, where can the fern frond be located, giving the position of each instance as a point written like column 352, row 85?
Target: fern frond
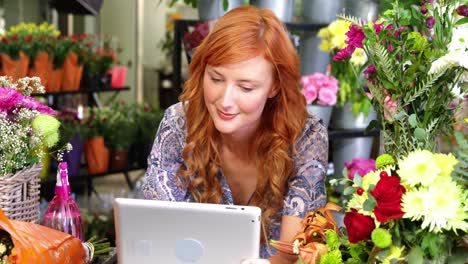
column 432, row 125
column 423, row 87
column 349, row 18
column 384, row 61
column 376, row 93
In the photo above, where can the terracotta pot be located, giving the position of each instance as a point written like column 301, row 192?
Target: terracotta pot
column 72, row 72
column 119, row 159
column 97, row 155
column 55, row 81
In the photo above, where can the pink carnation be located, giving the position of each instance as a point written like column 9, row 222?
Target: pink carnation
column 326, row 97
column 344, row 53
column 9, row 98
column 321, row 86
column 355, row 36
column 33, row 104
column 360, row 166
column 390, row 108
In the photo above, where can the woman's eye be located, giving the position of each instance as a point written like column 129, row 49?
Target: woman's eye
column 215, row 80
column 246, row 89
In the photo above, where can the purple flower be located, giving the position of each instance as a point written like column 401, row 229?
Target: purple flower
column 344, row 53
column 9, row 99
column 390, row 47
column 360, row 166
column 423, row 8
column 430, row 22
column 370, row 70
column 355, row 36
column 462, row 10
column 430, row 1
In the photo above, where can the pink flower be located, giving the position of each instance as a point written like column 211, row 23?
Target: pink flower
column 355, row 36
column 390, row 108
column 33, row 104
column 344, row 53
column 326, row 97
column 370, row 70
column 360, row 166
column 9, row 98
column 378, row 27
column 321, row 86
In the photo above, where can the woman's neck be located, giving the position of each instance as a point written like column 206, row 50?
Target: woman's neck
column 237, row 145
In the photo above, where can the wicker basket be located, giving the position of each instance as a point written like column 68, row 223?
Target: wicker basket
column 19, row 194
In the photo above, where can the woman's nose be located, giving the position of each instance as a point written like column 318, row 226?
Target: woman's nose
column 229, row 96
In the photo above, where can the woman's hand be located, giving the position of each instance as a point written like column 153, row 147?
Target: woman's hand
column 255, row 261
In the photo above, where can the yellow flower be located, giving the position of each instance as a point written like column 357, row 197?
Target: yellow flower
column 446, row 163
column 371, row 177
column 334, row 36
column 394, row 255
column 419, row 167
column 47, row 127
column 359, row 57
column 412, row 203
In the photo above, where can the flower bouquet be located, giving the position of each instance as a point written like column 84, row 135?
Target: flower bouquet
column 410, row 210
column 28, row 130
column 417, row 68
column 349, row 72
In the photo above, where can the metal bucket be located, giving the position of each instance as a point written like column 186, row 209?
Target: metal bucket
column 343, row 118
column 321, row 11
column 362, row 9
column 322, row 112
column 283, row 9
column 213, row 9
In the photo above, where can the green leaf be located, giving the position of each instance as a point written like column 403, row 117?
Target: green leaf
column 434, row 244
column 371, row 187
column 412, row 120
column 415, row 256
column 369, row 204
column 358, row 180
column 420, row 134
column 372, row 124
column 400, row 115
column 225, row 4
column 461, row 21
column 349, row 190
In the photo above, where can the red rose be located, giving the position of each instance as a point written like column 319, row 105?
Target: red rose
column 387, row 193
column 359, row 226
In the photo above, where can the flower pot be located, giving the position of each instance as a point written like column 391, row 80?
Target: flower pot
column 283, row 9
column 118, row 76
column 73, row 158
column 72, row 73
column 97, row 155
column 321, row 111
column 16, row 69
column 316, row 12
column 363, row 9
column 118, row 159
column 343, row 118
column 42, row 67
column 54, row 82
column 213, row 9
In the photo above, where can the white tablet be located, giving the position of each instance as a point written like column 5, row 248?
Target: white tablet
column 149, row 231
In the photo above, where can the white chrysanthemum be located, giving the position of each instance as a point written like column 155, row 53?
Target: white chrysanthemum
column 457, row 58
column 412, row 203
column 419, row 167
column 443, row 205
column 446, row 163
column 459, row 38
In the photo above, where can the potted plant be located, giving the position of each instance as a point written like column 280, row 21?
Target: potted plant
column 93, row 132
column 61, row 46
column 70, row 130
column 121, row 134
column 147, row 119
column 210, row 9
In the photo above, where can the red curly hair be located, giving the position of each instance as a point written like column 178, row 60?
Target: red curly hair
column 244, row 33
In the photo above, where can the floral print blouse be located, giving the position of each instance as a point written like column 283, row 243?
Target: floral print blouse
column 306, row 190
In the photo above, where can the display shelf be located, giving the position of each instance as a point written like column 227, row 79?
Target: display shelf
column 340, row 134
column 126, row 88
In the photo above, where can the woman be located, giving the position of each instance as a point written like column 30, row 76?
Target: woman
column 242, row 134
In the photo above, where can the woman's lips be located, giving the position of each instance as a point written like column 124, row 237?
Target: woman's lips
column 226, row 116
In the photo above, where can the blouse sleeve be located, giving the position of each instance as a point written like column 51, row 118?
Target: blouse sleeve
column 164, row 161
column 306, row 190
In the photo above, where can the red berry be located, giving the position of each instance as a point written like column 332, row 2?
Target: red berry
column 383, row 174
column 360, row 191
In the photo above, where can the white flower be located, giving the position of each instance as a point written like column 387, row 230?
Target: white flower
column 419, row 167
column 459, row 38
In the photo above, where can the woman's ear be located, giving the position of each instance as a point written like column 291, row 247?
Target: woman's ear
column 273, row 92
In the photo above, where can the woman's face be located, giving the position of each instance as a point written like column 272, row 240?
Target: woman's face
column 235, row 95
